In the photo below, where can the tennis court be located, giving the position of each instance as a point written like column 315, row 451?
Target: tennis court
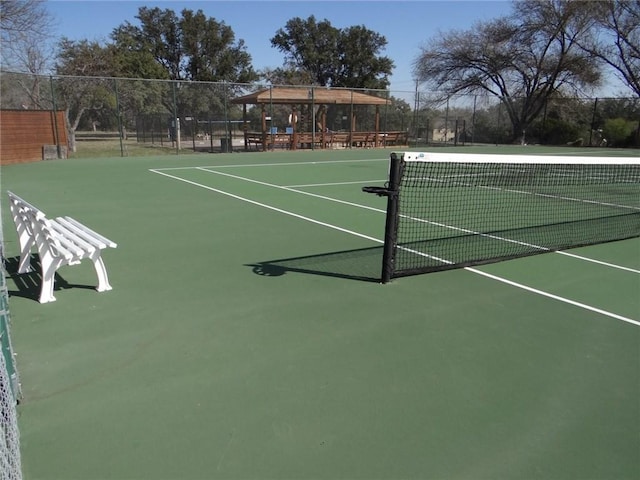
column 247, row 334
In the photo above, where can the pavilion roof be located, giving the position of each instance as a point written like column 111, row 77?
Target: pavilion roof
column 321, row 95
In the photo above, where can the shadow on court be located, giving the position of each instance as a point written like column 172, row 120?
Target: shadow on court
column 362, row 264
column 29, row 284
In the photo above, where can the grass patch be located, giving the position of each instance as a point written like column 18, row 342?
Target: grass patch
column 129, row 148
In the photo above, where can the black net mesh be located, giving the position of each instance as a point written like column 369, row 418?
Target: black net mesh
column 458, row 213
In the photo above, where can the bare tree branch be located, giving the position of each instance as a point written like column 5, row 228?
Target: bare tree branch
column 25, row 27
column 522, row 59
column 617, row 40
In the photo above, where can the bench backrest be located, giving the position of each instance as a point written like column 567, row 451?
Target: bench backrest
column 32, row 222
column 339, row 137
column 308, row 137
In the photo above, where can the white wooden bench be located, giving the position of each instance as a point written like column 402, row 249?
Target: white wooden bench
column 60, row 241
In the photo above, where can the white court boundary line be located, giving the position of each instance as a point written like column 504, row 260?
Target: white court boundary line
column 377, row 240
column 283, row 164
column 264, row 205
column 599, row 262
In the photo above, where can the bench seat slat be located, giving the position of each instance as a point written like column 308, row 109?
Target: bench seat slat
column 64, row 247
column 86, row 233
column 88, row 243
column 71, row 240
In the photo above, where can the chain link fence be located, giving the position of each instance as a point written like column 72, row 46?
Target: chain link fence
column 134, row 117
column 10, row 387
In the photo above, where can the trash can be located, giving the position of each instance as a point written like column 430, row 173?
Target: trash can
column 225, row 145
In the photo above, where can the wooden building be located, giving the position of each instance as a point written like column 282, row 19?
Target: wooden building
column 315, row 100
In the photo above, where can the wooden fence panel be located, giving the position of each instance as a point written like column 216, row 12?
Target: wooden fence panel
column 24, row 133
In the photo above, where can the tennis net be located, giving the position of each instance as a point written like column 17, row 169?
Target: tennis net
column 447, row 210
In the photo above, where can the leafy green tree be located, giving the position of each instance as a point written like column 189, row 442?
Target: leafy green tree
column 332, row 57
column 286, row 76
column 310, row 47
column 79, row 96
column 359, row 65
column 522, row 59
column 397, row 116
column 131, row 61
column 627, row 108
column 190, row 47
column 619, row 132
column 146, row 95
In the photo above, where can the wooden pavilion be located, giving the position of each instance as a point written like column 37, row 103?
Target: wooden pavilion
column 319, row 136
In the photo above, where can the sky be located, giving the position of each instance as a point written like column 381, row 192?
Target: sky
column 406, row 25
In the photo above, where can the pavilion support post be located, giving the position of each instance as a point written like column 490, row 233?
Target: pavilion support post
column 264, row 128
column 323, row 125
column 294, row 130
column 352, row 129
column 245, row 127
column 377, row 140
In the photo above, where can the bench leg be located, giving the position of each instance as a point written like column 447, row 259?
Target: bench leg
column 49, row 269
column 25, row 260
column 101, row 271
column 26, row 243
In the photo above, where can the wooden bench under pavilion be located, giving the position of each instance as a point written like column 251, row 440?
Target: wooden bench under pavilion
column 321, row 137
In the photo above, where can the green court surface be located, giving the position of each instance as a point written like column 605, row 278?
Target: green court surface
column 247, row 337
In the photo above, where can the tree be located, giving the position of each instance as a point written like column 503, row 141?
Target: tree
column 25, row 28
column 523, row 59
column 311, row 47
column 191, row 47
column 618, row 132
column 95, row 94
column 332, row 57
column 359, row 66
column 22, row 22
column 286, row 76
column 618, row 46
column 398, row 116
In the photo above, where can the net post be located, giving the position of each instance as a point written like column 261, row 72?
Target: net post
column 391, row 224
